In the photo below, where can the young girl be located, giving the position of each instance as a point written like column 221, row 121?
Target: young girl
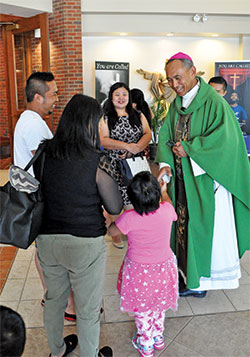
column 148, row 278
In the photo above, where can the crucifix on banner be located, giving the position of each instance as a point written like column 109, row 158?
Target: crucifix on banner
column 234, row 77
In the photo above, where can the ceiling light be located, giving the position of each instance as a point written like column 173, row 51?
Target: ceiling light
column 196, row 18
column 123, row 33
column 214, row 35
column 170, row 34
column 204, row 18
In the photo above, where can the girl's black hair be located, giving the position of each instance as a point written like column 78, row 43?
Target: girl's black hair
column 144, row 192
column 141, row 105
column 110, row 112
column 78, row 128
column 12, row 333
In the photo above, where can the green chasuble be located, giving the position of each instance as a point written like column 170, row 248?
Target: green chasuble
column 216, row 144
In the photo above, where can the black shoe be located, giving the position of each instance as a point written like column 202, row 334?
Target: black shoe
column 106, row 352
column 182, row 285
column 194, row 293
column 71, row 343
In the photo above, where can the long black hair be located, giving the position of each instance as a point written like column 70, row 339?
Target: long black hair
column 144, row 192
column 110, row 112
column 77, row 128
column 141, row 105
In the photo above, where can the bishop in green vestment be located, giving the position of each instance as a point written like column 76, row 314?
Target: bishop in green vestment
column 201, row 148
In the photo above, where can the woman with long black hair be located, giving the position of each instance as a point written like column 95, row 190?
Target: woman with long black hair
column 123, row 132
column 139, row 103
column 71, row 244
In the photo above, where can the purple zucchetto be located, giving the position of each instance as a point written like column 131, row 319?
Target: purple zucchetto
column 181, row 55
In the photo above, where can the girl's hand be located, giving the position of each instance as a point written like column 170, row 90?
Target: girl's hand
column 166, row 170
column 164, row 194
column 163, row 185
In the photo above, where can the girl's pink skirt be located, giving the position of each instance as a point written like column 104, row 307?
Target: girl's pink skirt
column 145, row 287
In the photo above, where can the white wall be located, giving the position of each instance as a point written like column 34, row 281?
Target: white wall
column 246, row 48
column 150, row 54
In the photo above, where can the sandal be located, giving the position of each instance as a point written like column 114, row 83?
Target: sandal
column 69, row 317
column 71, row 342
column 105, row 352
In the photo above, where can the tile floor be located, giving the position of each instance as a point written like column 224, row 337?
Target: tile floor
column 216, row 326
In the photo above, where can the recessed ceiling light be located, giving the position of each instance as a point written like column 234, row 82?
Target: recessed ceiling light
column 123, row 33
column 170, row 34
column 214, row 35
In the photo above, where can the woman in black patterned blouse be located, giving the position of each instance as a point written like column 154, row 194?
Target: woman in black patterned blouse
column 123, row 131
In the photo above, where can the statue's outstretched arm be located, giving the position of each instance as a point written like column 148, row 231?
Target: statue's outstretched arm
column 146, row 75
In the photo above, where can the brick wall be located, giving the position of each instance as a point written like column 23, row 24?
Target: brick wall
column 36, row 54
column 65, row 34
column 4, row 130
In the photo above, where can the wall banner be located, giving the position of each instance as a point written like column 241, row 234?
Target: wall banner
column 108, row 73
column 237, row 75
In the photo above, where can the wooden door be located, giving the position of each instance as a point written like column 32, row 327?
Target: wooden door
column 24, row 55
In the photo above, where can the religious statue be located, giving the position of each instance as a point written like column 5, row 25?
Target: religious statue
column 159, row 85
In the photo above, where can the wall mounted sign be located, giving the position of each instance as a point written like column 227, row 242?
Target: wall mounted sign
column 108, row 73
column 237, row 75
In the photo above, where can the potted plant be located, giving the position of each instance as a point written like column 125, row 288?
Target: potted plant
column 159, row 109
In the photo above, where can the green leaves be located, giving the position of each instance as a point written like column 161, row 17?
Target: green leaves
column 159, row 109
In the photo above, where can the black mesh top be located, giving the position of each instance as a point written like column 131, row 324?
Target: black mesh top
column 75, row 192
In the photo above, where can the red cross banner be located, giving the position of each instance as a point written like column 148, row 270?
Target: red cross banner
column 237, row 75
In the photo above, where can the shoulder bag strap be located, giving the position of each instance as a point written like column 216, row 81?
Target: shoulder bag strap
column 34, row 158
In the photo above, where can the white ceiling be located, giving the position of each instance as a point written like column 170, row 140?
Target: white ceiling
column 18, row 10
column 111, row 23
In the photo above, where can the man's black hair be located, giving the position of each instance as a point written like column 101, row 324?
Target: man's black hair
column 219, row 80
column 36, row 83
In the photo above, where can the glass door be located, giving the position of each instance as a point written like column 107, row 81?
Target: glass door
column 26, row 52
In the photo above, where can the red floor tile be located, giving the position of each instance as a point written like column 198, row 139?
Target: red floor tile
column 7, row 256
column 8, row 253
column 2, row 282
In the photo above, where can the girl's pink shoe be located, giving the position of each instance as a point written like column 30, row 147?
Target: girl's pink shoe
column 159, row 343
column 144, row 351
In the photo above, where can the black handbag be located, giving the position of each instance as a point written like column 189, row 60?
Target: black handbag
column 21, row 205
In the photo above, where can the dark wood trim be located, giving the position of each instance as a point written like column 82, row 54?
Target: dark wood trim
column 44, row 27
column 6, row 63
column 9, row 18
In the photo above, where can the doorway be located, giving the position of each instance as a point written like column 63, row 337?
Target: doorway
column 26, row 49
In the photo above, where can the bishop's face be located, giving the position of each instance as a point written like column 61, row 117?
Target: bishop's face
column 180, row 79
